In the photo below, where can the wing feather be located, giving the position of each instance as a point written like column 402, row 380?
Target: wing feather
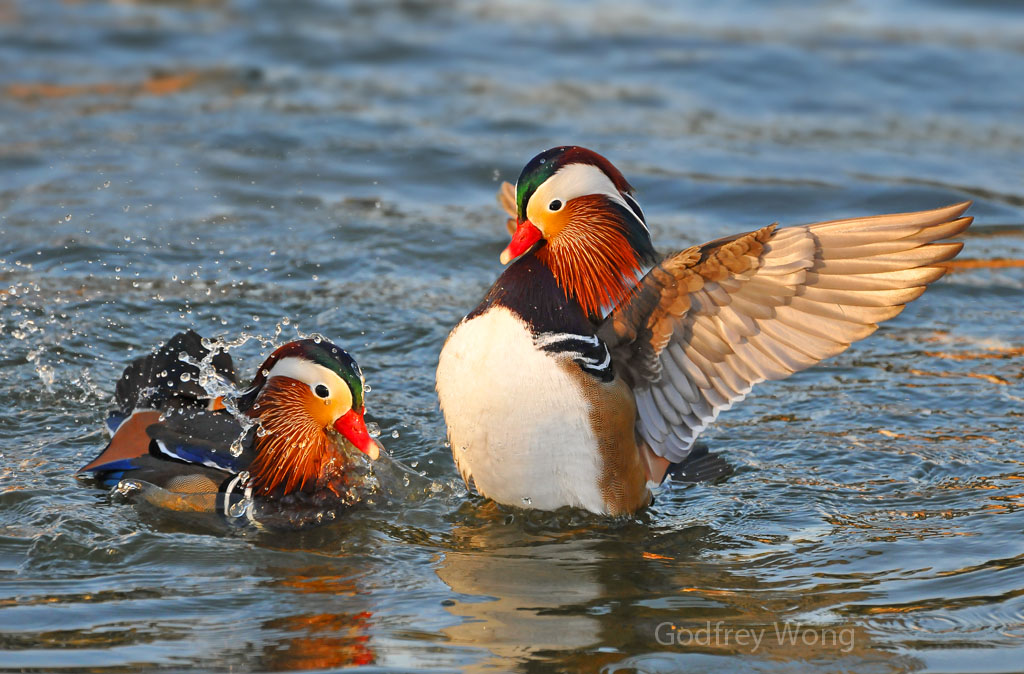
column 706, row 325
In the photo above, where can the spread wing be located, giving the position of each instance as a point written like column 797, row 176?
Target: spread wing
column 709, row 323
column 155, row 381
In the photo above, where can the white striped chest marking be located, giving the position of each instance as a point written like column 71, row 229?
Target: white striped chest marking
column 518, row 423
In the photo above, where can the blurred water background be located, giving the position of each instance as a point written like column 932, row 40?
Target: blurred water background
column 251, row 165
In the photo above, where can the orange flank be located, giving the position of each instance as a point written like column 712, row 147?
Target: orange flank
column 130, row 440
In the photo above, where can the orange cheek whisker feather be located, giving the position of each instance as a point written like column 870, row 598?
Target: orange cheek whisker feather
column 294, row 450
column 591, row 258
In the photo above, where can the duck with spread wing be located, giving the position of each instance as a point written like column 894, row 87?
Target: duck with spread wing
column 592, row 364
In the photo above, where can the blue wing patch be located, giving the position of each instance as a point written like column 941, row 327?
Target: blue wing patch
column 204, row 456
column 114, row 421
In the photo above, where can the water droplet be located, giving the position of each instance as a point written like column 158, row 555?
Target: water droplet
column 67, row 218
column 373, row 428
column 185, row 376
column 527, row 501
column 394, row 434
column 126, row 487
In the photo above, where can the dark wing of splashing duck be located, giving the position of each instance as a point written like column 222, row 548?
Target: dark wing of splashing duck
column 290, row 450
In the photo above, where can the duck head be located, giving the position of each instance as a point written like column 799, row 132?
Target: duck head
column 304, row 393
column 577, row 214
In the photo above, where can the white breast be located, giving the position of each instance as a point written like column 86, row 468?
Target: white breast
column 518, row 423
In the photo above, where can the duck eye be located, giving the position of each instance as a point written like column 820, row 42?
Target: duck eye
column 322, row 391
column 555, row 205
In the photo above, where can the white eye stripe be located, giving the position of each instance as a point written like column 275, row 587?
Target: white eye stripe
column 308, row 373
column 576, row 180
column 572, row 181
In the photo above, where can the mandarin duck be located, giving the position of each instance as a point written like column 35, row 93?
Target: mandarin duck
column 592, row 364
column 285, row 438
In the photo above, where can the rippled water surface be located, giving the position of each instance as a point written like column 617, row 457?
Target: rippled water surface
column 234, row 165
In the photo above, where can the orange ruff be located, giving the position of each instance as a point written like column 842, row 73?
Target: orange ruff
column 591, row 259
column 294, row 451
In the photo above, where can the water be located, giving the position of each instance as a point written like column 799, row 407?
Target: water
column 231, row 164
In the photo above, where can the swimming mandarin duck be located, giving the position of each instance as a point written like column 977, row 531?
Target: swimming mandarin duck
column 592, row 364
column 302, row 411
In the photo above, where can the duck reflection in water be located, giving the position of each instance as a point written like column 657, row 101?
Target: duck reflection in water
column 572, row 591
column 319, row 640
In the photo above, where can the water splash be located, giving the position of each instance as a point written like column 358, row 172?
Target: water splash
column 239, row 508
column 125, row 488
column 217, row 386
column 43, row 370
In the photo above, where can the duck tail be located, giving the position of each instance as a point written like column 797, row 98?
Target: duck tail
column 700, row 466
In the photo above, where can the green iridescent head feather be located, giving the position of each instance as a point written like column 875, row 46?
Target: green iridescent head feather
column 323, row 353
column 338, row 361
column 533, row 175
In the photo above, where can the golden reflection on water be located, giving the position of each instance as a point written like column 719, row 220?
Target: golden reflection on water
column 579, row 603
column 318, row 639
